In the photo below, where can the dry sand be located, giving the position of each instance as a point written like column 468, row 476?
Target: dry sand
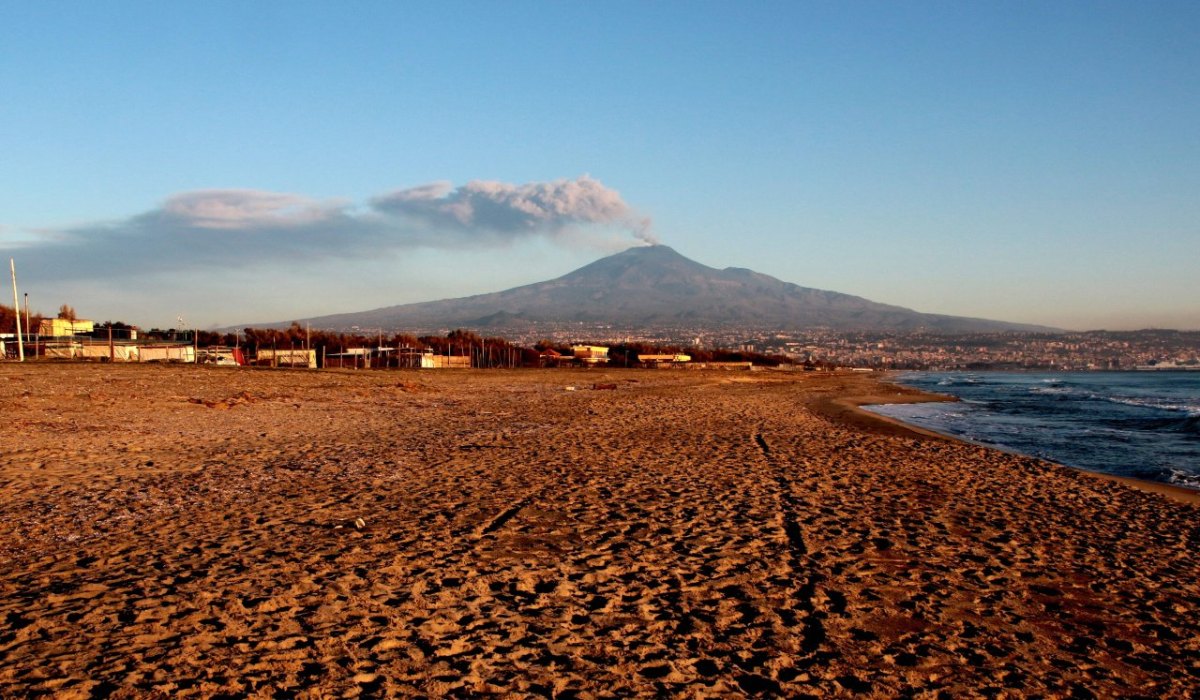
column 187, row 531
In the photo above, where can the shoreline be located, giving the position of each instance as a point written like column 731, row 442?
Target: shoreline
column 850, row 410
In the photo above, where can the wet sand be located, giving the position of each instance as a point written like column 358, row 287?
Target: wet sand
column 189, row 531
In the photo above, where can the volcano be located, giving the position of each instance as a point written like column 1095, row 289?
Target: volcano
column 650, row 287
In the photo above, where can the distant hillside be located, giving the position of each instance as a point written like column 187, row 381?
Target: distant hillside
column 654, row 286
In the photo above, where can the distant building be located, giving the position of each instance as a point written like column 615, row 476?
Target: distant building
column 353, row 358
column 64, row 327
column 414, row 358
column 406, row 358
column 449, row 361
column 590, row 354
column 167, row 352
column 663, row 360
column 286, row 357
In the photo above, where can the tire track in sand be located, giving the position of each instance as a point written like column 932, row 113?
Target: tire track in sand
column 800, row 561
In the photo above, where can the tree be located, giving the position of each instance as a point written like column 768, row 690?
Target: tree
column 462, row 336
column 8, row 319
column 66, row 312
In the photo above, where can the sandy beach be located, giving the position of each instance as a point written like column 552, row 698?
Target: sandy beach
column 182, row 531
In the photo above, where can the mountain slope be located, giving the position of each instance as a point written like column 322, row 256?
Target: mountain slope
column 654, row 286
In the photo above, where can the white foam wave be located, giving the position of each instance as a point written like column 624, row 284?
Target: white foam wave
column 1190, row 408
column 1182, row 478
column 1053, row 390
column 958, row 381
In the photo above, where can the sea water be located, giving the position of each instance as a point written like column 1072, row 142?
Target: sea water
column 1139, row 424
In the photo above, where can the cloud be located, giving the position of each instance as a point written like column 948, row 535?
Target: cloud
column 236, row 209
column 240, row 228
column 535, row 208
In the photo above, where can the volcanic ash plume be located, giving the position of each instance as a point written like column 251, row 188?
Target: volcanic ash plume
column 546, row 208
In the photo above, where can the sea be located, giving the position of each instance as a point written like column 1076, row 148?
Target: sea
column 1144, row 425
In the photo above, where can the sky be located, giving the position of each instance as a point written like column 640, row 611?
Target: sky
column 216, row 164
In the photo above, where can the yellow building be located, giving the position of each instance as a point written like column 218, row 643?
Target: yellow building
column 61, row 327
column 590, row 354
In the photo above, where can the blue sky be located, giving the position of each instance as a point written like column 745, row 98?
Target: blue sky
column 233, row 162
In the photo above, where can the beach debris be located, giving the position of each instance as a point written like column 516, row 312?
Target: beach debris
column 570, row 388
column 358, row 524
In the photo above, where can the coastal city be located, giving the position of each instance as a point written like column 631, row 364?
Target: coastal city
column 1096, row 350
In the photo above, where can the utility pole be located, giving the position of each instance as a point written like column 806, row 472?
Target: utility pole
column 308, row 343
column 12, row 265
